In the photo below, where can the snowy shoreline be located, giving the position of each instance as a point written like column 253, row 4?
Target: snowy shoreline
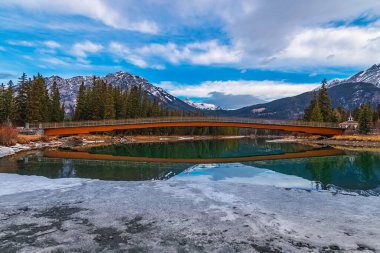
column 77, row 214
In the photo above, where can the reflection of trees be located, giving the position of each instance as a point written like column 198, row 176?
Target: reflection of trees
column 320, row 169
column 105, row 170
column 188, row 149
column 367, row 163
column 200, row 149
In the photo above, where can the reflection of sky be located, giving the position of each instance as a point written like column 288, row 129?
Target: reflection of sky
column 239, row 173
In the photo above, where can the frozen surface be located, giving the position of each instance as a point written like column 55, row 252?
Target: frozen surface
column 240, row 173
column 13, row 183
column 171, row 216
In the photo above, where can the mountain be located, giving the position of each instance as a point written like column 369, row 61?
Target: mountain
column 69, row 87
column 202, row 106
column 371, row 75
column 349, row 93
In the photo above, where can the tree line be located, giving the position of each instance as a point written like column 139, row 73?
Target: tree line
column 104, row 101
column 320, row 110
column 31, row 102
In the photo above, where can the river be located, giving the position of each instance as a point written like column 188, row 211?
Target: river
column 249, row 161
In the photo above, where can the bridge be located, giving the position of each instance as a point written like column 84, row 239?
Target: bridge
column 85, row 127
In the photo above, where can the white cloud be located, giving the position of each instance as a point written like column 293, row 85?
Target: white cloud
column 81, row 49
column 123, row 52
column 107, row 12
column 55, row 61
column 2, row 48
column 52, row 44
column 263, row 29
column 343, row 46
column 23, row 43
column 265, row 90
column 198, row 53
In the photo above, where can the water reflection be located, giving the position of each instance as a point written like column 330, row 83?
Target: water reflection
column 240, row 173
column 36, row 164
column 244, row 161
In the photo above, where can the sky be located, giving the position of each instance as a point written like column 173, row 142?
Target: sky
column 227, row 52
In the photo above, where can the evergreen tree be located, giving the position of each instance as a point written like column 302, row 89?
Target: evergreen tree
column 365, row 119
column 109, row 103
column 80, row 110
column 38, row 101
column 10, row 103
column 324, row 102
column 133, row 103
column 308, row 110
column 55, row 104
column 21, row 100
column 316, row 115
column 118, row 103
column 155, row 108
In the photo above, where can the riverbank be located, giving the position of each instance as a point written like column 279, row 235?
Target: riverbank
column 64, row 215
column 347, row 142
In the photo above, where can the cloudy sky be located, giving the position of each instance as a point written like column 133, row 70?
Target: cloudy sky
column 229, row 52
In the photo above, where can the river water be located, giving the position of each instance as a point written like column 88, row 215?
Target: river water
column 246, row 161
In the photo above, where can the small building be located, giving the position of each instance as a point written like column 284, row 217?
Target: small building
column 349, row 124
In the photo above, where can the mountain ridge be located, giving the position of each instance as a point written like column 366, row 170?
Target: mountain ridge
column 349, row 93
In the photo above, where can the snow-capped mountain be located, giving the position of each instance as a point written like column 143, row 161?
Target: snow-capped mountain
column 202, row 106
column 371, row 75
column 69, row 88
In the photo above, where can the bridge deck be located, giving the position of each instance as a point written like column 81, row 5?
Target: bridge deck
column 80, row 127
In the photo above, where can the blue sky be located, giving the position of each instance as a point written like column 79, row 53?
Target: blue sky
column 207, row 50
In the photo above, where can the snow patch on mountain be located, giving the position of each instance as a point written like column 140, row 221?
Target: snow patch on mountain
column 202, row 106
column 371, row 75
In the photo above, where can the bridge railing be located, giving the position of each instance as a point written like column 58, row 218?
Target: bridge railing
column 113, row 122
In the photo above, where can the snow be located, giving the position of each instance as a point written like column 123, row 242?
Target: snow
column 179, row 215
column 202, row 106
column 16, row 184
column 370, row 75
column 5, row 151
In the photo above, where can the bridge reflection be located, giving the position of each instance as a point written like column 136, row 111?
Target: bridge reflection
column 293, row 155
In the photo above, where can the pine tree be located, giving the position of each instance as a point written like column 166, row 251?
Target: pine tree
column 316, row 115
column 324, row 102
column 145, row 104
column 80, row 110
column 309, row 109
column 155, row 108
column 21, row 100
column 55, row 104
column 109, row 103
column 9, row 103
column 365, row 119
column 38, row 101
column 118, row 103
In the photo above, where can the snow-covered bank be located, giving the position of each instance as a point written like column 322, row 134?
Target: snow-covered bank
column 6, row 151
column 172, row 216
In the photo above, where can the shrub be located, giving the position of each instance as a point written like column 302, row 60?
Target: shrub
column 8, row 136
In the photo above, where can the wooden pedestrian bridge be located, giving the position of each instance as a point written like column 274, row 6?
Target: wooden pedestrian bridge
column 85, row 127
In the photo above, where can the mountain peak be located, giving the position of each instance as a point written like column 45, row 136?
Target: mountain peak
column 202, row 106
column 370, row 75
